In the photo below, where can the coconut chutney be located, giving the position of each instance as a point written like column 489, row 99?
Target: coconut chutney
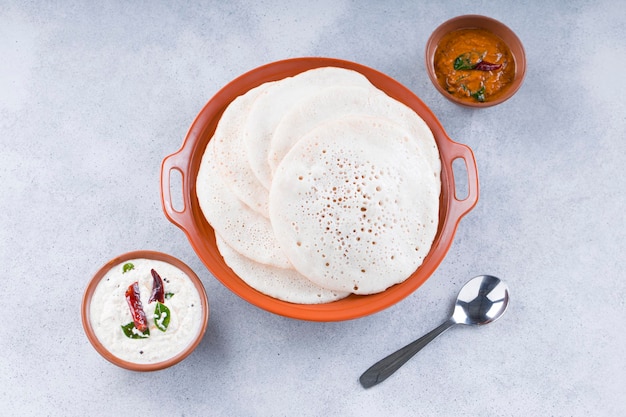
column 109, row 311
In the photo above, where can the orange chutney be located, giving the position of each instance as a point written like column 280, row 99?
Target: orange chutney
column 474, row 65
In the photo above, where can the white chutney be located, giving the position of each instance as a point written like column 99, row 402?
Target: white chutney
column 109, row 311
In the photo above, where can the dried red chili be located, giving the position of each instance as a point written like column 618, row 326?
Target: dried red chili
column 136, row 309
column 487, row 66
column 158, row 294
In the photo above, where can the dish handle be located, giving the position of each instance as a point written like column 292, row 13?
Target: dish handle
column 459, row 207
column 178, row 163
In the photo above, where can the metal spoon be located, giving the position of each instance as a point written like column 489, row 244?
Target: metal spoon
column 482, row 300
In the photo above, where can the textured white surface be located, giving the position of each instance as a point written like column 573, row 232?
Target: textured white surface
column 93, row 95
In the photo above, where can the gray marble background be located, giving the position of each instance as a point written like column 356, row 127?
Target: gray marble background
column 93, row 95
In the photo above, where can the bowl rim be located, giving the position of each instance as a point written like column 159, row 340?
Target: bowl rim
column 201, row 236
column 496, row 27
column 152, row 255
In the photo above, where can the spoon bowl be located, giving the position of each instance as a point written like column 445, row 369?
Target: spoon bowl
column 482, row 300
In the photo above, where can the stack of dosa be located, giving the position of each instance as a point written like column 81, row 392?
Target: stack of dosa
column 319, row 186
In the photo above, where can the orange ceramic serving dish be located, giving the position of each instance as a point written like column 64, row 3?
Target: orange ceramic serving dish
column 186, row 161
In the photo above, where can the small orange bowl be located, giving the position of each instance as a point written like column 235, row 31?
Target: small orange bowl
column 476, row 22
column 152, row 366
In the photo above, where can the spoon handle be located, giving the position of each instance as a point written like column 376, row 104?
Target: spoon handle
column 383, row 369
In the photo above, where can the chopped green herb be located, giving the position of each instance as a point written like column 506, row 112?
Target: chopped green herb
column 131, row 331
column 161, row 316
column 127, row 267
column 169, row 295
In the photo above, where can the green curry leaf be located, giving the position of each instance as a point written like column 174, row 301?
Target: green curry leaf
column 479, row 94
column 131, row 331
column 161, row 316
column 127, row 267
column 465, row 61
column 460, row 63
column 469, row 61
